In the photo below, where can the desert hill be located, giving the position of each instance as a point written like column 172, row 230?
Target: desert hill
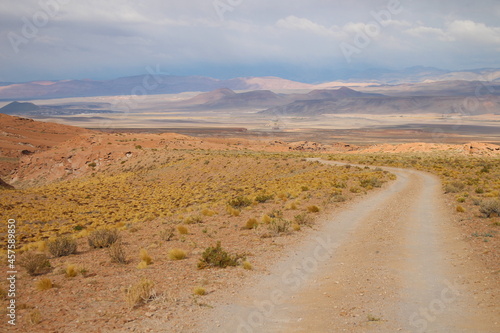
column 21, row 137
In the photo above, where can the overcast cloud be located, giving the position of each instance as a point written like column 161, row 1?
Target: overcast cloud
column 308, row 40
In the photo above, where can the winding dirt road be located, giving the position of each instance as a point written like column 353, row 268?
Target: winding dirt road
column 391, row 261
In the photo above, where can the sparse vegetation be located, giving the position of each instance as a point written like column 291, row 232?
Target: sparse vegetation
column 35, row 263
column 103, row 238
column 71, row 271
column 217, row 257
column 490, row 207
column 200, row 291
column 34, row 317
column 145, row 258
column 247, row 265
column 182, row 230
column 117, row 253
column 140, row 293
column 62, row 246
column 176, row 254
column 251, row 224
column 44, row 284
column 313, row 209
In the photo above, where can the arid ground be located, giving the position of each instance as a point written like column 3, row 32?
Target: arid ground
column 401, row 237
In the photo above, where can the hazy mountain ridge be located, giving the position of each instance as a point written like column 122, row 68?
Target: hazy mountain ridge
column 170, row 84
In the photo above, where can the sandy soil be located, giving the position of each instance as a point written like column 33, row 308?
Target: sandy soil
column 392, row 261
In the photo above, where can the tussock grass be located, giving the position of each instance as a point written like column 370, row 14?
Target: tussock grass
column 44, row 284
column 140, row 293
column 177, row 254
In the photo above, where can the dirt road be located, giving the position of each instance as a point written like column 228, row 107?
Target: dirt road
column 391, row 261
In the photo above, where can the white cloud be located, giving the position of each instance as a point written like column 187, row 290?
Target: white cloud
column 303, row 24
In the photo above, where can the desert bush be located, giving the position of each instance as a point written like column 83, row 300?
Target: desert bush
column 296, row 227
column 490, row 207
column 117, row 253
column 167, row 234
column 217, row 257
column 239, row 202
column 460, row 209
column 261, row 198
column 62, row 246
column 276, row 213
column 454, row 187
column 251, row 224
column 279, row 226
column 371, row 182
column 140, row 293
column 35, row 263
column 103, row 238
column 302, row 219
column 313, row 209
column 176, row 254
column 44, row 284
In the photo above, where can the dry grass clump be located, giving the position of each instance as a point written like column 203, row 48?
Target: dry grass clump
column 103, row 238
column 195, row 219
column 247, row 265
column 208, row 212
column 239, row 202
column 117, row 253
column 140, row 293
column 44, row 284
column 251, row 224
column 62, row 246
column 217, row 257
column 35, row 263
column 71, row 271
column 313, row 209
column 261, row 198
column 232, row 211
column 460, row 209
column 34, row 317
column 145, row 258
column 199, row 291
column 454, row 187
column 182, row 230
column 266, row 219
column 176, row 254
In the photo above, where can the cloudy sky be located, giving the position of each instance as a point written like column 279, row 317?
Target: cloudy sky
column 306, row 40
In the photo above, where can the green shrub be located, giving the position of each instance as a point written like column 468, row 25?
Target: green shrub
column 62, row 246
column 217, row 257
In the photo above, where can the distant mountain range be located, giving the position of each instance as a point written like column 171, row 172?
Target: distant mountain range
column 168, row 84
